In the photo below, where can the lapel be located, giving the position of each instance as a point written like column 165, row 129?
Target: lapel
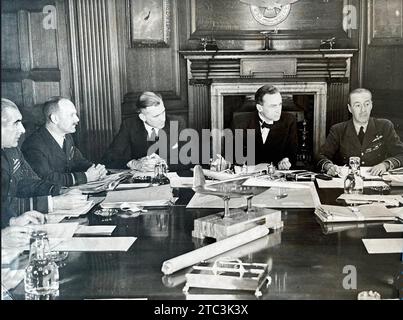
column 352, row 136
column 255, row 124
column 276, row 131
column 369, row 134
column 54, row 148
column 69, row 147
column 140, row 134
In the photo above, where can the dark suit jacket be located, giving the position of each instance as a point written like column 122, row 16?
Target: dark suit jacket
column 21, row 188
column 131, row 143
column 380, row 143
column 282, row 141
column 53, row 163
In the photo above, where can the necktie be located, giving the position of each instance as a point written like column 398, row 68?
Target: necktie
column 153, row 136
column 266, row 125
column 361, row 135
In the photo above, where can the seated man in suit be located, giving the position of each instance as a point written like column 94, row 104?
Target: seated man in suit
column 21, row 188
column 373, row 140
column 51, row 151
column 276, row 137
column 134, row 145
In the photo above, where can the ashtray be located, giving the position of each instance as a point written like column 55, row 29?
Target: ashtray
column 106, row 212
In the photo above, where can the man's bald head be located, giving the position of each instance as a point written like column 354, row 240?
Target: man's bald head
column 11, row 124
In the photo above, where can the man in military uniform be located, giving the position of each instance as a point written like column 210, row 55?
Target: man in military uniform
column 373, row 140
column 21, row 188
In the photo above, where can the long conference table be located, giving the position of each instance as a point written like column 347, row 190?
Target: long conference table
column 308, row 260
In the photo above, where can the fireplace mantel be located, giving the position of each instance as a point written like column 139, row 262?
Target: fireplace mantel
column 214, row 74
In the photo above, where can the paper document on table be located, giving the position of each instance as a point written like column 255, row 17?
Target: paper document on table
column 97, row 244
column 388, row 200
column 378, row 246
column 104, row 184
column 74, row 212
column 95, row 230
column 55, row 218
column 338, row 183
column 155, row 196
column 57, row 230
column 11, row 278
column 391, row 228
column 373, row 212
column 179, row 182
column 306, row 197
column 396, row 180
column 260, row 182
column 8, row 255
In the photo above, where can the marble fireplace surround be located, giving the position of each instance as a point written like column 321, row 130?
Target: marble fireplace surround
column 212, row 75
column 317, row 89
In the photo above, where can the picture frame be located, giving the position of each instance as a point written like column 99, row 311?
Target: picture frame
column 384, row 31
column 149, row 23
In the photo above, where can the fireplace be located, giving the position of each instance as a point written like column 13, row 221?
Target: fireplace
column 317, row 89
column 212, row 76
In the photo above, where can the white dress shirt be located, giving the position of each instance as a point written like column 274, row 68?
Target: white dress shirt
column 149, row 130
column 265, row 131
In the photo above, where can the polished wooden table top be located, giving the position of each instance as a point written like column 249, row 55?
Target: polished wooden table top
column 307, row 259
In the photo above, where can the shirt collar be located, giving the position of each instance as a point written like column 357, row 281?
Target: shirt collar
column 261, row 121
column 357, row 127
column 57, row 136
column 149, row 129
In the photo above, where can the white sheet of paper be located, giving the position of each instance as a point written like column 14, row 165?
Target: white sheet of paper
column 160, row 195
column 8, row 255
column 75, row 212
column 11, row 278
column 338, row 183
column 93, row 244
column 95, row 230
column 58, row 230
column 378, row 246
column 305, row 197
column 393, row 227
column 258, row 182
column 179, row 182
column 54, row 218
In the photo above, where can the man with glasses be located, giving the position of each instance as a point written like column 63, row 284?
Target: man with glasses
column 276, row 139
column 373, row 140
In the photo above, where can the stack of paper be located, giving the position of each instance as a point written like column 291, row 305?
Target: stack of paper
column 338, row 183
column 154, row 197
column 388, row 200
column 373, row 212
column 395, row 180
column 104, row 184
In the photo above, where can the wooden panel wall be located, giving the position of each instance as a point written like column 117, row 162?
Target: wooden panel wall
column 154, row 68
column 34, row 60
column 383, row 67
column 95, row 72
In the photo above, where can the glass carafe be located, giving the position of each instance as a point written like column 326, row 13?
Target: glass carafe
column 42, row 273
